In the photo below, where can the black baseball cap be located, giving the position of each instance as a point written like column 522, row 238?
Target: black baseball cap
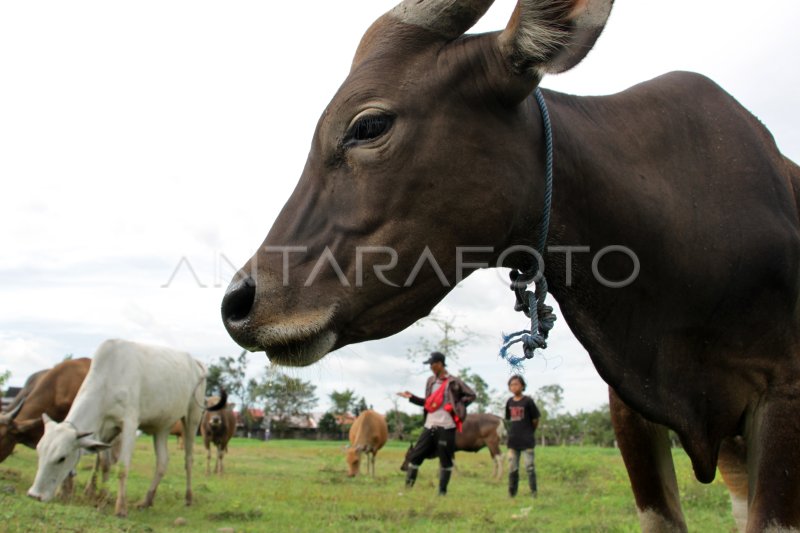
column 436, row 357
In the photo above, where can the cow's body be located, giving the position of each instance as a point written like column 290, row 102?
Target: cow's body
column 217, row 428
column 367, row 435
column 130, row 386
column 177, row 430
column 442, row 149
column 479, row 430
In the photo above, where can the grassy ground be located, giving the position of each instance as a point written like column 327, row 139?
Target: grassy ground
column 301, row 486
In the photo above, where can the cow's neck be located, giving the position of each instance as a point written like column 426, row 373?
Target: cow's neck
column 596, row 204
column 88, row 412
column 583, row 204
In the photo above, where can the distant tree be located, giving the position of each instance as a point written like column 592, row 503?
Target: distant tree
column 483, row 394
column 328, row 425
column 597, row 428
column 4, row 377
column 361, row 406
column 402, row 425
column 450, row 339
column 550, row 399
column 287, row 396
column 230, row 372
column 214, row 378
column 69, row 357
column 343, row 402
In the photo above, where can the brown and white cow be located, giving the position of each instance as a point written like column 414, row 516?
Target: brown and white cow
column 217, row 428
column 480, row 430
column 367, row 435
column 433, row 146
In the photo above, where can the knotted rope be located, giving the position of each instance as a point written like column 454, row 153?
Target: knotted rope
column 532, row 302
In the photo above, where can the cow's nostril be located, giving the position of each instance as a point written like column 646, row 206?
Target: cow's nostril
column 238, row 301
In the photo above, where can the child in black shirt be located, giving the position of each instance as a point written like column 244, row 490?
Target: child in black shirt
column 523, row 415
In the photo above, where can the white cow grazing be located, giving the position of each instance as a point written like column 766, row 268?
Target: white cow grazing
column 129, row 386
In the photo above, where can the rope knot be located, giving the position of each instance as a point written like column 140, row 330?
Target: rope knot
column 532, row 302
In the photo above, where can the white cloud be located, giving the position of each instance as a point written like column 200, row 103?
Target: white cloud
column 134, row 135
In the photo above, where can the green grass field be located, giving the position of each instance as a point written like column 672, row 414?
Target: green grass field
column 302, row 486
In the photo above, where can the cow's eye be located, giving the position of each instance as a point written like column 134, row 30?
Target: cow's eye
column 368, row 128
column 61, row 460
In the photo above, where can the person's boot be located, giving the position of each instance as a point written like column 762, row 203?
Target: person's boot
column 532, row 482
column 411, row 475
column 513, row 483
column 444, row 479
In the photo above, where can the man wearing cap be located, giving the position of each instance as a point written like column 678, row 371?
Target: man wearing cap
column 445, row 403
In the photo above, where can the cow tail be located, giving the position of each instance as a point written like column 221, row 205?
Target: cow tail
column 223, row 401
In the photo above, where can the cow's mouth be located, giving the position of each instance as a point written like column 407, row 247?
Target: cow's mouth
column 289, row 338
column 297, row 350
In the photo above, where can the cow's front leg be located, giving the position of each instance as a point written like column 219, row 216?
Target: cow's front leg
column 128, row 441
column 218, row 463
column 91, row 486
column 647, row 453
column 772, row 435
column 160, row 440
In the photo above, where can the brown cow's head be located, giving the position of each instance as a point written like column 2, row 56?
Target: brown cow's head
column 9, row 431
column 428, row 146
column 354, row 460
column 215, row 421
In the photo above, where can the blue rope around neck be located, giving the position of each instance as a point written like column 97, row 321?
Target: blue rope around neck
column 532, row 302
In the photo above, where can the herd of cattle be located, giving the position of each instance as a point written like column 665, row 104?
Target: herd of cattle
column 98, row 405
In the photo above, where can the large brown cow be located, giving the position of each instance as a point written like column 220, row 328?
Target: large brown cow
column 480, row 430
column 433, row 147
column 367, row 435
column 217, row 427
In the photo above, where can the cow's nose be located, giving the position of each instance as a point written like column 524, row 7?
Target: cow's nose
column 238, row 301
column 34, row 496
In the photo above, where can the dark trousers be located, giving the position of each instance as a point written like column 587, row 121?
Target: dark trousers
column 434, row 442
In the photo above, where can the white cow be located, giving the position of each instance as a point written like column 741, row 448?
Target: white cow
column 129, row 386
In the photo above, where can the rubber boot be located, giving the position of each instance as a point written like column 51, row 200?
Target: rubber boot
column 444, row 479
column 513, row 483
column 411, row 475
column 532, row 482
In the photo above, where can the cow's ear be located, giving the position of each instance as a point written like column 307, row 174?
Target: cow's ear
column 92, row 445
column 48, row 422
column 548, row 37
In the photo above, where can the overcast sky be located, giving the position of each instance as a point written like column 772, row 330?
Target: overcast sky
column 136, row 135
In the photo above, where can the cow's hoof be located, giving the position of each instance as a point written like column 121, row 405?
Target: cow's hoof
column 121, row 513
column 144, row 504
